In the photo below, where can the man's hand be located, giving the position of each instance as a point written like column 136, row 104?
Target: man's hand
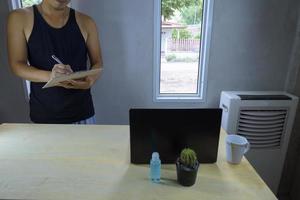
column 80, row 84
column 59, row 70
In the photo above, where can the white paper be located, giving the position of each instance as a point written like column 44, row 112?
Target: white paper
column 76, row 75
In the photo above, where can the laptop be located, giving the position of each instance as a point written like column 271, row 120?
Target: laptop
column 168, row 131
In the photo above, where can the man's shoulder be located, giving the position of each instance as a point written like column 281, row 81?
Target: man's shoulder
column 21, row 12
column 20, row 15
column 84, row 19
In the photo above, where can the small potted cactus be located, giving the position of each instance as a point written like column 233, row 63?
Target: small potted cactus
column 187, row 167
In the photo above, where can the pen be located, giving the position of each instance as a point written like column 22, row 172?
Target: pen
column 56, row 59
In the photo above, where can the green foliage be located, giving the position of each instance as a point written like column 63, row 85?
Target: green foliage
column 171, row 57
column 185, row 59
column 188, row 157
column 168, row 7
column 192, row 14
column 175, row 34
column 28, row 3
column 183, row 34
column 198, row 36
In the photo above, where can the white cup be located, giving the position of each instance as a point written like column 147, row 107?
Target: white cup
column 236, row 147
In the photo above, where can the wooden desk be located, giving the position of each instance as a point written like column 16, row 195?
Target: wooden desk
column 92, row 162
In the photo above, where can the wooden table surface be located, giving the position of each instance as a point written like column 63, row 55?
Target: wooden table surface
column 92, row 162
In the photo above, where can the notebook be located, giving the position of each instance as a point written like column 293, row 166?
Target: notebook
column 76, row 75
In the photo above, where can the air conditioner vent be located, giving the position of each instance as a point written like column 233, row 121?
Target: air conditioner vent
column 264, row 97
column 262, row 128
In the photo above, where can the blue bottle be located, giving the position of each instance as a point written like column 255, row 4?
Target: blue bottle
column 155, row 165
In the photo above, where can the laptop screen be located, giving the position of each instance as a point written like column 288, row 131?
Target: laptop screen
column 168, row 131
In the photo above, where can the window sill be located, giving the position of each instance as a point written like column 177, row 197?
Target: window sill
column 179, row 99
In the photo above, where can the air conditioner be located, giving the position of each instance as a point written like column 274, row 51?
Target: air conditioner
column 266, row 120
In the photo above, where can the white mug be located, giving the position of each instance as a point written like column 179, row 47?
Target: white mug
column 236, row 147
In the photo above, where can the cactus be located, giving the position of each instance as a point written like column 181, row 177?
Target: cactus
column 188, row 157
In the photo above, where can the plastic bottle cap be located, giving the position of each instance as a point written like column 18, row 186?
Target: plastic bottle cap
column 155, row 155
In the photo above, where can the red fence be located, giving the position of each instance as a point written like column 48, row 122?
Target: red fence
column 183, row 44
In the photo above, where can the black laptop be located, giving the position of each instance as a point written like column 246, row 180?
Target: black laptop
column 168, row 131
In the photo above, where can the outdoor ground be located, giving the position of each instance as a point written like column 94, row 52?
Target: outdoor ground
column 179, row 77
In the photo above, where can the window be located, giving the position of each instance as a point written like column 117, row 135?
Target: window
column 28, row 3
column 182, row 35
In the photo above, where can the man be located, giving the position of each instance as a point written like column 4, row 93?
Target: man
column 52, row 28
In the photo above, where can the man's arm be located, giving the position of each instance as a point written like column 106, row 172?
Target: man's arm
column 94, row 52
column 93, row 45
column 94, row 49
column 17, row 49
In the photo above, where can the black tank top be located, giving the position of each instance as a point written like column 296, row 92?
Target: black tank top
column 58, row 105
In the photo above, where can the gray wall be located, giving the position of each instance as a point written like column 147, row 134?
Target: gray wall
column 290, row 181
column 13, row 107
column 294, row 152
column 250, row 48
column 295, row 192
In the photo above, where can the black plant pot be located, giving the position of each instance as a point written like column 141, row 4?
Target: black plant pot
column 186, row 176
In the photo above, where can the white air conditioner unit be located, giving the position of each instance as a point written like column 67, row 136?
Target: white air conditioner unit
column 266, row 120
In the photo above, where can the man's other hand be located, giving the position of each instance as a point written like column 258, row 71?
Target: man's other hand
column 80, row 84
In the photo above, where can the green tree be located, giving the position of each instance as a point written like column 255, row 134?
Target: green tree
column 28, row 3
column 168, row 7
column 192, row 14
column 198, row 36
column 181, row 34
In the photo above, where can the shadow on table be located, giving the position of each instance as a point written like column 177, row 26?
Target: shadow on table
column 135, row 183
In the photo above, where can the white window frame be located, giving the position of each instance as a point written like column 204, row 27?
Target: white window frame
column 14, row 4
column 203, row 58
